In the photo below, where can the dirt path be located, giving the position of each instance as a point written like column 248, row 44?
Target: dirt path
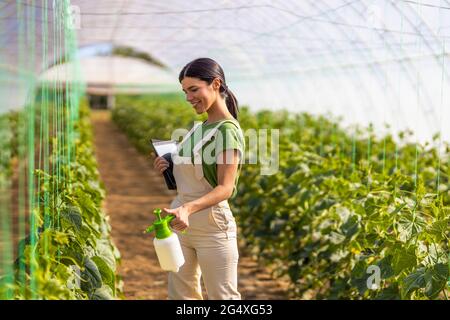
column 133, row 190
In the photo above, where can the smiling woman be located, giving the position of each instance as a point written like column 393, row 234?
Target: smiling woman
column 204, row 187
column 205, row 80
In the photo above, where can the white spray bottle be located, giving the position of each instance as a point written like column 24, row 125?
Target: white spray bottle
column 167, row 245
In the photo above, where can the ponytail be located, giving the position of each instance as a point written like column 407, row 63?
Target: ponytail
column 230, row 100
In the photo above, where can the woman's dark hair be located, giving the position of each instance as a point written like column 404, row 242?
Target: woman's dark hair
column 207, row 69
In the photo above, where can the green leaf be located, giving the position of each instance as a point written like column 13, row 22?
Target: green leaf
column 436, row 279
column 72, row 215
column 336, row 238
column 414, row 281
column 324, row 204
column 103, row 293
column 359, row 277
column 351, row 227
column 90, row 276
column 385, row 266
column 294, row 272
column 390, row 293
column 439, row 228
column 410, row 225
column 107, row 274
column 106, row 252
column 404, row 259
column 89, row 234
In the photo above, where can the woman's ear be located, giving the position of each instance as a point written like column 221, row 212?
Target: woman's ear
column 216, row 84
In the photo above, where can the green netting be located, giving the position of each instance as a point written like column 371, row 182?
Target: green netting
column 38, row 140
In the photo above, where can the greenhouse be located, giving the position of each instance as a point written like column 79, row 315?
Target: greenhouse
column 339, row 112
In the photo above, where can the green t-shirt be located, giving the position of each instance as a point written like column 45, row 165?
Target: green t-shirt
column 229, row 136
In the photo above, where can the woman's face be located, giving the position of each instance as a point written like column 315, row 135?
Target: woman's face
column 199, row 94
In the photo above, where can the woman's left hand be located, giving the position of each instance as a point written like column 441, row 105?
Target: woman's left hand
column 181, row 221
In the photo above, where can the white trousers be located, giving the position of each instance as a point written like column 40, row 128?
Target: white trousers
column 210, row 252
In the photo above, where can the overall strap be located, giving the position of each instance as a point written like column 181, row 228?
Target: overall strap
column 207, row 137
column 194, row 127
column 196, row 151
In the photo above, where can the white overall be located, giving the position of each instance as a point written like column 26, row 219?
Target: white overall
column 209, row 244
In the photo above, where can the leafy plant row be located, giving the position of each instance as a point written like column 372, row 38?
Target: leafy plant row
column 68, row 253
column 348, row 214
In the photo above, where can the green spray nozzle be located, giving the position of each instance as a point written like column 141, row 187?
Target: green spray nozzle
column 161, row 225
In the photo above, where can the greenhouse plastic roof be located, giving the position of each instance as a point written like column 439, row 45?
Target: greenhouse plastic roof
column 113, row 75
column 369, row 61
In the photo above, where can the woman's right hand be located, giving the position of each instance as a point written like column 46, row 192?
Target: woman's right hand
column 160, row 164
